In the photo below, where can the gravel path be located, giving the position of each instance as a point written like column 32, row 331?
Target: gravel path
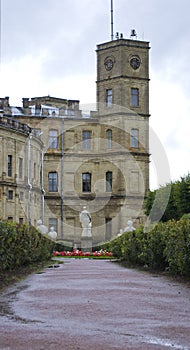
column 95, row 305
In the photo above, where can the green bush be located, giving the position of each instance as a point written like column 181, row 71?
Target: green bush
column 167, row 245
column 21, row 245
column 177, row 251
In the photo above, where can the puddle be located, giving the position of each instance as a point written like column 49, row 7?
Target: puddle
column 166, row 342
column 6, row 304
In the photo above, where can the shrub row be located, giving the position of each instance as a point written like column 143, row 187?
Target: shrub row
column 21, row 245
column 166, row 246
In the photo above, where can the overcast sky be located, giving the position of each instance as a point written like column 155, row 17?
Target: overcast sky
column 48, row 47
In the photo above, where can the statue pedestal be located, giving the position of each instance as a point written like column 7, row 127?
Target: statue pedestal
column 86, row 244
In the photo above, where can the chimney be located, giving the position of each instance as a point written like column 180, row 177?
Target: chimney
column 25, row 102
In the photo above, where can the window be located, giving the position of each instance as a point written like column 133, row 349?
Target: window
column 52, row 182
column 109, row 138
column 134, row 138
column 134, row 181
column 21, row 221
column 20, row 168
column 10, row 195
column 109, row 97
column 21, row 196
column 53, row 223
column 86, row 139
column 9, row 165
column 134, row 97
column 108, row 228
column 109, row 181
column 53, row 139
column 10, row 218
column 86, row 182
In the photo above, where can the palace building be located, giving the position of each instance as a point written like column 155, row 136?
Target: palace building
column 55, row 158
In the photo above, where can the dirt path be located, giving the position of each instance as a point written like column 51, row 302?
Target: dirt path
column 95, row 304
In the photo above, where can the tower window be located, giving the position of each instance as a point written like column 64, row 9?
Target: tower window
column 9, row 161
column 86, row 182
column 134, row 142
column 134, row 97
column 86, row 139
column 109, row 138
column 52, row 182
column 109, row 97
column 53, row 139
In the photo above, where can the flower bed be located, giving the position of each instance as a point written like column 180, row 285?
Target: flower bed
column 79, row 254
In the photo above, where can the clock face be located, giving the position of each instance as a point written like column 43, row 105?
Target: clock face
column 109, row 63
column 135, row 62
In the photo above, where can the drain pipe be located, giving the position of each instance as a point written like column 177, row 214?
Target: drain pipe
column 62, row 179
column 42, row 183
column 29, row 186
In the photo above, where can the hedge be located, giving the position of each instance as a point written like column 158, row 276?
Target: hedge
column 22, row 245
column 166, row 246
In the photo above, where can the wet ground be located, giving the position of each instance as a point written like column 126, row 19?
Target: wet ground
column 95, row 304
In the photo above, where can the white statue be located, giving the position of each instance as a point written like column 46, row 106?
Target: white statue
column 129, row 227
column 52, row 233
column 86, row 223
column 41, row 228
column 120, row 232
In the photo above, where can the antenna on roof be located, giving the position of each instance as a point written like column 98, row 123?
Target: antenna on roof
column 111, row 19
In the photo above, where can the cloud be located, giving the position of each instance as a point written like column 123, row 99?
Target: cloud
column 170, row 120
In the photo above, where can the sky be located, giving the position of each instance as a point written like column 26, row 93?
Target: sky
column 48, row 47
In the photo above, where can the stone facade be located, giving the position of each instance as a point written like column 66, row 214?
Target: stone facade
column 100, row 160
column 20, row 153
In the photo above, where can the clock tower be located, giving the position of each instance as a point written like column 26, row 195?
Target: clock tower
column 123, row 74
column 123, row 109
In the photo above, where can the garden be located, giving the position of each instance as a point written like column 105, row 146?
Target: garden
column 76, row 253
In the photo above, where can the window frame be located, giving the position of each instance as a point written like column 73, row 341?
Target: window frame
column 53, row 181
column 109, row 97
column 10, row 195
column 53, row 139
column 53, row 222
column 134, row 138
column 86, row 183
column 109, row 181
column 86, row 139
column 109, row 137
column 9, row 165
column 134, row 97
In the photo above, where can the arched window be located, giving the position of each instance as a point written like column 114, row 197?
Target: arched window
column 52, row 177
column 109, row 181
column 109, row 138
